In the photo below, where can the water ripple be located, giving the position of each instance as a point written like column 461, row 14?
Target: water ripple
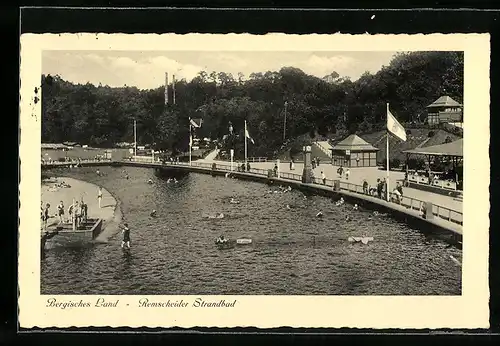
column 293, row 251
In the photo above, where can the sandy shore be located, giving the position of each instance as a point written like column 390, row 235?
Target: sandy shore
column 79, row 189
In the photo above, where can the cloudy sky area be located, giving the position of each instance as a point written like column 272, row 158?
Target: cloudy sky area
column 146, row 70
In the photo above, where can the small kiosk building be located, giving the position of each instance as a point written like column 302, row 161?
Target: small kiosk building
column 354, row 151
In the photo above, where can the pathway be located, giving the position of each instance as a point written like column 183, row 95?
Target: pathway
column 371, row 174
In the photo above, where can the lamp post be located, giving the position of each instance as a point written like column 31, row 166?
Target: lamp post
column 135, row 137
column 284, row 122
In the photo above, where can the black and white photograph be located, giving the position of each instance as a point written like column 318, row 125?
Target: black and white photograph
column 229, row 173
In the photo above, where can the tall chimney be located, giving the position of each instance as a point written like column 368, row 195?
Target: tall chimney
column 173, row 89
column 166, row 88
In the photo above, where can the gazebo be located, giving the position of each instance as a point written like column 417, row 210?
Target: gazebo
column 443, row 110
column 354, row 151
column 453, row 151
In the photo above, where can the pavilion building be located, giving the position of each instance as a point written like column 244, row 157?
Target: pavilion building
column 446, row 182
column 354, row 151
column 444, row 110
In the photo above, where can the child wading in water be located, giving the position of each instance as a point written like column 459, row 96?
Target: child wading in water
column 126, row 236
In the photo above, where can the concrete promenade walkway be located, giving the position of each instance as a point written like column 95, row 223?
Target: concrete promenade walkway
column 371, row 174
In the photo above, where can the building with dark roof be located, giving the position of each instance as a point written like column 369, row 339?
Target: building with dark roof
column 354, row 151
column 444, row 110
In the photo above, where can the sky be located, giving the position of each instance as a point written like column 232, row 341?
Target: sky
column 146, row 70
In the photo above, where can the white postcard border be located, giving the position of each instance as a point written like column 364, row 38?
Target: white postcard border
column 470, row 310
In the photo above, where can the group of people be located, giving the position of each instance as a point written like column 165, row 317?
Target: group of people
column 380, row 190
column 77, row 213
column 242, row 167
column 340, row 172
column 315, row 162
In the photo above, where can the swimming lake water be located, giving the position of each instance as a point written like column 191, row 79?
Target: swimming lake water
column 293, row 251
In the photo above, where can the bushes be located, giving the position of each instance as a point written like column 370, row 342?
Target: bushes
column 394, row 163
column 430, row 134
column 416, row 163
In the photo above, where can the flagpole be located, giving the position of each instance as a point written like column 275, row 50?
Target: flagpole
column 190, row 140
column 387, row 154
column 135, row 138
column 246, row 154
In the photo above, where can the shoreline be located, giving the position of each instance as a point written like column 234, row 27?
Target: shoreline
column 110, row 213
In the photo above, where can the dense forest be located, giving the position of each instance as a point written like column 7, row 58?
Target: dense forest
column 103, row 116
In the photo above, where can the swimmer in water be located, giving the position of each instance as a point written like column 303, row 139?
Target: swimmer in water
column 234, row 201
column 221, row 240
column 355, row 207
column 339, row 202
column 220, row 216
column 320, row 214
column 288, row 206
column 150, row 181
column 347, row 218
column 153, row 213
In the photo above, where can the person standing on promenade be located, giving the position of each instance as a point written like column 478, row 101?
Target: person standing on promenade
column 323, row 178
column 379, row 188
column 99, row 196
column 347, row 172
column 126, row 236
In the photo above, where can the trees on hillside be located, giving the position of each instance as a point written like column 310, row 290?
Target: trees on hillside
column 102, row 116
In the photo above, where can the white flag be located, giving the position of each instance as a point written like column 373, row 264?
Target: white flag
column 194, row 123
column 248, row 136
column 394, row 126
column 190, row 141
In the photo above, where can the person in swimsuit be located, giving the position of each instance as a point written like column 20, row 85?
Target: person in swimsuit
column 85, row 210
column 99, row 196
column 45, row 216
column 126, row 236
column 60, row 212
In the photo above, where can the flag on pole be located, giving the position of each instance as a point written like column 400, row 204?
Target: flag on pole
column 394, row 127
column 247, row 135
column 195, row 122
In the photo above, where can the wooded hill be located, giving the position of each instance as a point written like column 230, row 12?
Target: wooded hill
column 331, row 106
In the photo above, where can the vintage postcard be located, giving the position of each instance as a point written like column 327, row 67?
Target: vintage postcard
column 235, row 180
